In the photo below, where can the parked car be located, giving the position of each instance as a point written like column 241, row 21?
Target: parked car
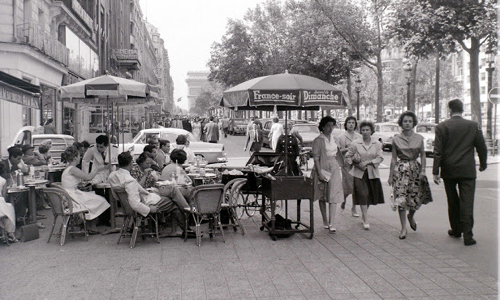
column 307, row 131
column 213, row 153
column 238, row 126
column 27, row 135
column 268, row 123
column 384, row 132
column 427, row 130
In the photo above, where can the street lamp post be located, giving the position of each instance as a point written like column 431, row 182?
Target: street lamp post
column 408, row 68
column 357, row 87
column 490, row 60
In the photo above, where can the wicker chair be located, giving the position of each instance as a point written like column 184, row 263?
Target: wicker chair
column 62, row 206
column 234, row 203
column 206, row 205
column 132, row 218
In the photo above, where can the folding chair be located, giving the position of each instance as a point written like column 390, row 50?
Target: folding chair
column 132, row 218
column 206, row 205
column 62, row 206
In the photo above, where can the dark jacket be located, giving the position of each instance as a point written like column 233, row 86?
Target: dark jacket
column 454, row 146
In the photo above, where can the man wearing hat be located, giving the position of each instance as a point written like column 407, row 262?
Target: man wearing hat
column 30, row 158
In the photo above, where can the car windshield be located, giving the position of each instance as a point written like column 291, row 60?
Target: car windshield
column 306, row 128
column 389, row 128
column 425, row 128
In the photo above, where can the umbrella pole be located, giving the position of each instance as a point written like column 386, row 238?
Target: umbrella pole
column 107, row 133
column 286, row 143
column 123, row 135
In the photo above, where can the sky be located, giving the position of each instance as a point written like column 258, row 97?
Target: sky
column 189, row 28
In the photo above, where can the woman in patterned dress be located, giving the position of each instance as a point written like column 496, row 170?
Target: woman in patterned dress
column 405, row 171
column 326, row 174
column 345, row 140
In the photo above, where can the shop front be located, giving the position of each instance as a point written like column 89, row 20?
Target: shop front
column 19, row 106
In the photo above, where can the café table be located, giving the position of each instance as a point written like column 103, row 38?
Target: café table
column 54, row 173
column 29, row 187
column 105, row 187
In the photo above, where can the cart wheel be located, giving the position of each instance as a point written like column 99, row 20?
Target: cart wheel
column 261, row 228
column 251, row 207
column 311, row 236
column 273, row 237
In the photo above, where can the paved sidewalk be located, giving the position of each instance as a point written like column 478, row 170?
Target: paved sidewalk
column 352, row 264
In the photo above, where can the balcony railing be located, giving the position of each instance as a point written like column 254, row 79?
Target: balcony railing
column 33, row 35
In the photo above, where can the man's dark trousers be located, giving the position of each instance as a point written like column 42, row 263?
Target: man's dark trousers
column 460, row 204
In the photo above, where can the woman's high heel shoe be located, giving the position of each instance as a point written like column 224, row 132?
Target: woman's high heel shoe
column 403, row 236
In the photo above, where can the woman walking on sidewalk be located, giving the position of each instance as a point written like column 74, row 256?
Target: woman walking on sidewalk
column 326, row 173
column 366, row 155
column 345, row 140
column 406, row 173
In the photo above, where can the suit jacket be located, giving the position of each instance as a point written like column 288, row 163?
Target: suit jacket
column 212, row 130
column 454, row 146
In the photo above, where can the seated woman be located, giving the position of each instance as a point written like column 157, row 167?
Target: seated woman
column 70, row 179
column 178, row 157
column 43, row 154
column 142, row 171
column 7, row 214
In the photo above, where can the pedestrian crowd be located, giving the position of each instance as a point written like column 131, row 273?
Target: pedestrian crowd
column 343, row 165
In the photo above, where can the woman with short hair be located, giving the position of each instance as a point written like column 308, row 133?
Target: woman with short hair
column 406, row 172
column 345, row 140
column 326, row 172
column 142, row 171
column 71, row 178
column 365, row 155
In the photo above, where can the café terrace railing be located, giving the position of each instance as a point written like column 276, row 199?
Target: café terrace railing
column 31, row 34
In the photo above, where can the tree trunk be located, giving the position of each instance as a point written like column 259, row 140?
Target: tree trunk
column 475, row 98
column 380, row 89
column 436, row 91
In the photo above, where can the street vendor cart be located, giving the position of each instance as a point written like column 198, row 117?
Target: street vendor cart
column 284, row 92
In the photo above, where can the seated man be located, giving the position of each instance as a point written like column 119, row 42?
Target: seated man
column 163, row 154
column 138, row 196
column 30, row 158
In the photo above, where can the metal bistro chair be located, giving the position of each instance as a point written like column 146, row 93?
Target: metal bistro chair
column 206, row 205
column 234, row 202
column 132, row 218
column 62, row 206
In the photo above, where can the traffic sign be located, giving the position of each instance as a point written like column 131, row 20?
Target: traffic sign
column 493, row 96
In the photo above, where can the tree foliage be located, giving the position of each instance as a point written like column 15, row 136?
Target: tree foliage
column 277, row 36
column 429, row 26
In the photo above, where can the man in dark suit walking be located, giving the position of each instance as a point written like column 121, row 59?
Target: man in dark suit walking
column 454, row 146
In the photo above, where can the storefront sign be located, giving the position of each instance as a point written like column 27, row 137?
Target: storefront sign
column 125, row 54
column 20, row 98
column 78, row 9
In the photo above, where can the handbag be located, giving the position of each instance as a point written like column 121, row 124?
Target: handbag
column 425, row 190
column 29, row 232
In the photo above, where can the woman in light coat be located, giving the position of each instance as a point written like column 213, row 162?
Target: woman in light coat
column 366, row 155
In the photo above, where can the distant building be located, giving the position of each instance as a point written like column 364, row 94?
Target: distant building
column 196, row 81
